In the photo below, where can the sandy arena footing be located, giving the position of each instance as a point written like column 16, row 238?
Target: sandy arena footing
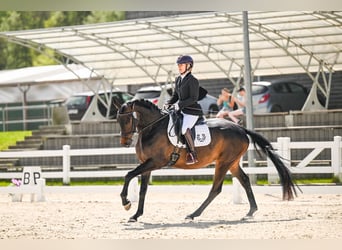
column 95, row 212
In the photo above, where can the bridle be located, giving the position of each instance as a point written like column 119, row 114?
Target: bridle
column 128, row 135
column 133, row 126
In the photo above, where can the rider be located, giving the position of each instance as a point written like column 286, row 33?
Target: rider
column 186, row 93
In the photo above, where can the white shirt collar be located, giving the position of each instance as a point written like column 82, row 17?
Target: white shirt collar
column 183, row 75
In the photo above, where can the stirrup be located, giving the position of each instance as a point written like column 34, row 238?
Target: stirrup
column 191, row 159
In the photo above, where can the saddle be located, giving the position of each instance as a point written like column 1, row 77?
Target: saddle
column 200, row 132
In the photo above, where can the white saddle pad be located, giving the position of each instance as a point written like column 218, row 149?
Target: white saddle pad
column 202, row 138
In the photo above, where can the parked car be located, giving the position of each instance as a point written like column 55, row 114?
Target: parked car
column 153, row 94
column 278, row 96
column 79, row 103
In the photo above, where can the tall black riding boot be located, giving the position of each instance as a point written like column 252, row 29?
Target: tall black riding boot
column 191, row 157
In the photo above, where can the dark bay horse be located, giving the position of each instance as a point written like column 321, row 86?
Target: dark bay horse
column 229, row 142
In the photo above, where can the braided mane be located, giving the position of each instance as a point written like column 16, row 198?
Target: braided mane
column 146, row 104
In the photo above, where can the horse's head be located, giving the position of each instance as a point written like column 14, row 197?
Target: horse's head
column 127, row 119
column 136, row 116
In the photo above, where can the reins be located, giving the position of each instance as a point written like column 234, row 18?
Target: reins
column 133, row 130
column 152, row 123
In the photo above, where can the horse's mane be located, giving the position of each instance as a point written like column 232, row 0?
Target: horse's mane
column 146, row 104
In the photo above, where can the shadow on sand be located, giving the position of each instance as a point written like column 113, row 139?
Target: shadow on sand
column 197, row 224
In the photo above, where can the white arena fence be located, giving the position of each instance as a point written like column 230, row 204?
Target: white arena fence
column 283, row 146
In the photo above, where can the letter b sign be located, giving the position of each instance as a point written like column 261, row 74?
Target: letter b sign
column 31, row 175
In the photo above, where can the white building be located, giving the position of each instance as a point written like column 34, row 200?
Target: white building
column 45, row 83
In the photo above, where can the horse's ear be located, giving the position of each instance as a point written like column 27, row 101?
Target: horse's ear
column 116, row 102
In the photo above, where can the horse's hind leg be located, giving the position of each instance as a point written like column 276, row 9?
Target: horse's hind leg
column 220, row 173
column 244, row 180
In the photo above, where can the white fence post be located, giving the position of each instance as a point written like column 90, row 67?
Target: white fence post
column 66, row 164
column 271, row 178
column 336, row 157
column 133, row 190
column 41, row 191
column 285, row 152
column 237, row 188
column 237, row 191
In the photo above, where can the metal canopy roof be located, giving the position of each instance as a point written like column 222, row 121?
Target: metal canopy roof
column 144, row 50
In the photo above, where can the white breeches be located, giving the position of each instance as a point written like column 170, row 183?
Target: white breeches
column 188, row 122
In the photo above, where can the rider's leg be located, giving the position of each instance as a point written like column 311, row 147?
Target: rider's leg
column 191, row 157
column 188, row 122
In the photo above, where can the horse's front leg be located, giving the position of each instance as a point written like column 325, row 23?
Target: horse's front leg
column 145, row 178
column 125, row 202
column 145, row 171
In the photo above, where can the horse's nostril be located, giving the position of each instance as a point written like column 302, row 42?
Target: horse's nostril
column 126, row 142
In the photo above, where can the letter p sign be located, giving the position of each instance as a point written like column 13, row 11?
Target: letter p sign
column 31, row 175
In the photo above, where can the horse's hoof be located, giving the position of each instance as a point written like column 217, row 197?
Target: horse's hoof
column 247, row 217
column 250, row 214
column 189, row 218
column 132, row 220
column 128, row 206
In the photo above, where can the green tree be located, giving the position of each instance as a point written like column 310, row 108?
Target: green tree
column 14, row 55
column 104, row 16
column 66, row 18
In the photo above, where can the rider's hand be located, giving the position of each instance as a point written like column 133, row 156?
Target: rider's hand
column 166, row 106
column 176, row 106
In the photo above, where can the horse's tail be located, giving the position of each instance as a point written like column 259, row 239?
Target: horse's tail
column 285, row 176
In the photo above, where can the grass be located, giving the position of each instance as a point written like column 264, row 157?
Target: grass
column 316, row 181
column 170, row 182
column 10, row 138
column 121, row 182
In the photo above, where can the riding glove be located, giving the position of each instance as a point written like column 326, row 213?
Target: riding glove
column 166, row 106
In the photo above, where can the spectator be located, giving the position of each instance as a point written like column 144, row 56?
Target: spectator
column 226, row 102
column 241, row 102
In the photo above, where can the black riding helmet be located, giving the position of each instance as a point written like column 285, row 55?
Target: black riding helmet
column 185, row 60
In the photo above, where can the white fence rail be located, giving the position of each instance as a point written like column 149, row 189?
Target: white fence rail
column 283, row 147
